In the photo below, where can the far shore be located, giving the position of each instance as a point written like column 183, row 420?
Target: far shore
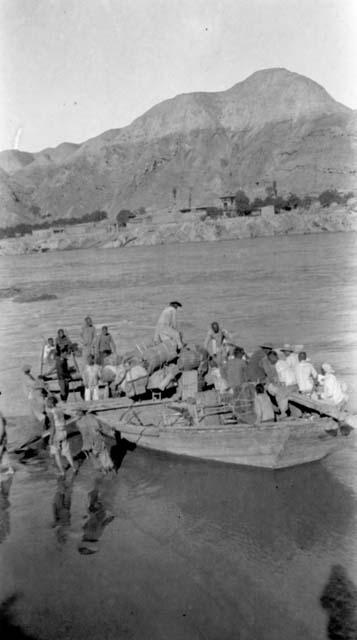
column 191, row 228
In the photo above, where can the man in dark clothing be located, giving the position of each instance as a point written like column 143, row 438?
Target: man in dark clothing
column 105, row 346
column 62, row 341
column 256, row 372
column 235, row 371
column 63, row 374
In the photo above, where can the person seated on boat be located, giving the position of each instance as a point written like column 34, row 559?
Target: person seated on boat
column 235, row 371
column 63, row 373
column 288, row 354
column 216, row 341
column 91, row 376
column 203, row 367
column 167, row 327
column 5, row 463
column 105, row 346
column 35, row 391
column 273, row 385
column 58, row 434
column 263, row 407
column 48, row 357
column 306, row 375
column 215, row 375
column 333, row 391
column 286, row 373
column 62, row 341
column 256, row 371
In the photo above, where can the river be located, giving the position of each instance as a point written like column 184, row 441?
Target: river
column 169, row 547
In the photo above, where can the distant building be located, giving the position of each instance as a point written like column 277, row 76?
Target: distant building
column 228, row 203
column 40, row 233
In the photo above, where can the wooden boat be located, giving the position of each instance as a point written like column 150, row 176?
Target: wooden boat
column 212, row 432
column 208, row 427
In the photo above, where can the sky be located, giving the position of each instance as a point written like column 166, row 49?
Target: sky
column 71, row 69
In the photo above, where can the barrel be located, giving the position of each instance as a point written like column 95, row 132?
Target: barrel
column 189, row 360
column 156, row 356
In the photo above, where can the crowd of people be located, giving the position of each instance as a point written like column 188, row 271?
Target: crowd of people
column 275, row 372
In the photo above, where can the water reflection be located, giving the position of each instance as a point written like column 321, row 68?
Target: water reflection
column 99, row 514
column 62, row 507
column 5, row 486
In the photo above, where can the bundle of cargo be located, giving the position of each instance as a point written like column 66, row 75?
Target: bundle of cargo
column 162, row 378
column 135, row 382
column 155, row 356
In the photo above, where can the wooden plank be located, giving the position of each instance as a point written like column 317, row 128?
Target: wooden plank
column 110, row 404
column 316, row 405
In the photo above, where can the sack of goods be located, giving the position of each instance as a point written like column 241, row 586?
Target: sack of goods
column 159, row 354
column 136, row 381
column 189, row 359
column 108, row 373
column 162, row 378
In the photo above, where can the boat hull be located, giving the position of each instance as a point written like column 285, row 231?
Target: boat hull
column 273, row 445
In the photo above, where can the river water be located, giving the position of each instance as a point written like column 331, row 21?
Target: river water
column 169, row 547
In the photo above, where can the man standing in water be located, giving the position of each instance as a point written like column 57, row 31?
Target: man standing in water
column 58, row 435
column 88, row 336
column 166, row 328
column 35, row 391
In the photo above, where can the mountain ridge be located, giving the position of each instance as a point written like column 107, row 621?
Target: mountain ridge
column 274, row 125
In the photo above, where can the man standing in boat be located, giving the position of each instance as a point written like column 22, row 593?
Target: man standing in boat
column 256, row 371
column 216, row 340
column 105, row 346
column 166, row 328
column 88, row 336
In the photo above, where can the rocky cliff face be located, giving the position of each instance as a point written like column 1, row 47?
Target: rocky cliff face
column 275, row 125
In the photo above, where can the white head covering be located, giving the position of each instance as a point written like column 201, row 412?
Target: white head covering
column 298, row 348
column 287, row 347
column 326, row 367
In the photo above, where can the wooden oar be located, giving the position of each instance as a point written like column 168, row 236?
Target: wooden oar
column 41, row 364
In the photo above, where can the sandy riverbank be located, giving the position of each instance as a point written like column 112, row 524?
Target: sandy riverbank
column 191, row 228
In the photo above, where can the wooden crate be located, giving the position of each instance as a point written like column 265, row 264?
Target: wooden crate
column 189, row 384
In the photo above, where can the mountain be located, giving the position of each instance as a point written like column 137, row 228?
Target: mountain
column 274, row 126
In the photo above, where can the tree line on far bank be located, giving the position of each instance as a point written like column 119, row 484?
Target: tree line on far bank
column 244, row 206
column 24, row 228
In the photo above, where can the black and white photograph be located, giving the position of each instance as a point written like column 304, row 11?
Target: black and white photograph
column 178, row 320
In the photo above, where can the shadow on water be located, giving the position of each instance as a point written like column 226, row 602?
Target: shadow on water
column 339, row 599
column 119, row 450
column 8, row 627
column 306, row 506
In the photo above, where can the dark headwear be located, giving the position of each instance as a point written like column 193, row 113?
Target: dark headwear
column 175, row 304
column 267, row 345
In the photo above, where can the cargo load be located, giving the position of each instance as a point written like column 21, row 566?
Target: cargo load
column 189, row 359
column 156, row 356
